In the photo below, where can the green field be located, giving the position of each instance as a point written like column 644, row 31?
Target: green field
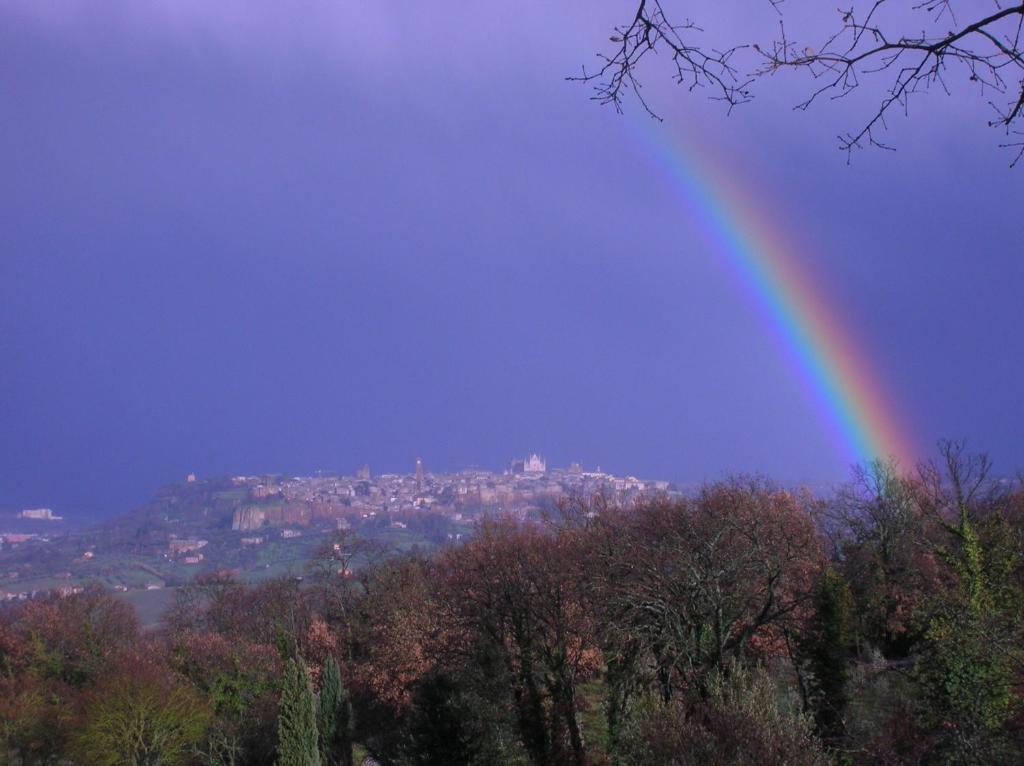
column 149, row 604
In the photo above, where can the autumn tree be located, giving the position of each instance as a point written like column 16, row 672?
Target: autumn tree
column 338, row 572
column 231, row 640
column 512, row 599
column 241, row 681
column 76, row 638
column 199, row 606
column 683, row 587
column 881, row 540
column 277, row 612
column 35, row 718
column 142, row 716
column 397, row 622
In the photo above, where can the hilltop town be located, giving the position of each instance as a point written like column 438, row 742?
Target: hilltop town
column 267, row 525
column 526, row 486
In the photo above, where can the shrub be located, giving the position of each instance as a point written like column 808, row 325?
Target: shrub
column 739, row 722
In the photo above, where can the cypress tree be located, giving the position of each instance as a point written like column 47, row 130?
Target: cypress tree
column 334, row 718
column 826, row 646
column 296, row 720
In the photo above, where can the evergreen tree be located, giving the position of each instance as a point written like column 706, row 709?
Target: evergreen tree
column 296, row 719
column 966, row 678
column 440, row 728
column 826, row 645
column 334, row 718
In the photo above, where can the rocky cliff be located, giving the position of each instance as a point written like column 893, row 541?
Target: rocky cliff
column 247, row 519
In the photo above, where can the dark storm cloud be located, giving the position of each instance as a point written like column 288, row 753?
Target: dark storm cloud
column 243, row 237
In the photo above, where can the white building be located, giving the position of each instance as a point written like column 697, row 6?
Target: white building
column 41, row 514
column 535, row 464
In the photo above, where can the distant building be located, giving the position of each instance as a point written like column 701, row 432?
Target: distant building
column 364, row 473
column 534, row 464
column 40, row 514
column 186, row 546
column 190, row 478
column 419, row 471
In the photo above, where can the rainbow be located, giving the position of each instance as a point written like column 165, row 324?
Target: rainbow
column 849, row 394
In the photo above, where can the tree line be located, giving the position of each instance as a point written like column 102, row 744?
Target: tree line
column 745, row 624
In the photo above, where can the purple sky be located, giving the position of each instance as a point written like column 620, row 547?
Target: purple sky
column 239, row 239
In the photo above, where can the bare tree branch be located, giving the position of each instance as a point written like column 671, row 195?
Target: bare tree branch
column 863, row 47
column 648, row 33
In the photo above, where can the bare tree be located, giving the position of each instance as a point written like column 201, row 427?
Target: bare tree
column 908, row 47
column 683, row 587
